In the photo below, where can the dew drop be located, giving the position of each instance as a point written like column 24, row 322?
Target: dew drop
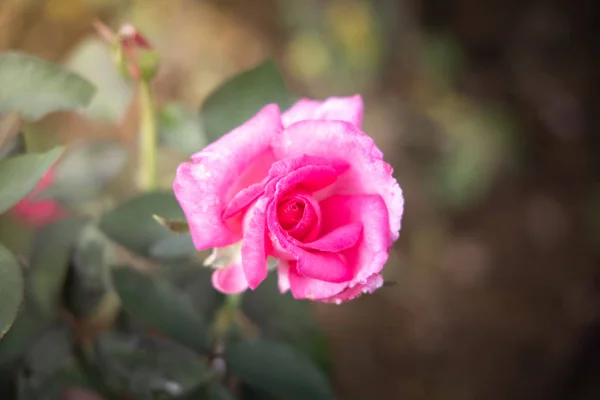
column 338, row 301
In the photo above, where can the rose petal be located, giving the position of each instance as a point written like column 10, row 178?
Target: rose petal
column 205, row 186
column 39, row 212
column 330, row 168
column 243, row 198
column 311, row 179
column 278, row 170
column 283, row 280
column 254, row 244
column 348, row 109
column 368, row 173
column 372, row 283
column 230, row 280
column 339, row 239
column 369, row 255
column 303, row 287
column 329, row 267
column 308, row 178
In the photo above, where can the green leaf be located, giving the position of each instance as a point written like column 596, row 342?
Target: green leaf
column 44, row 361
column 88, row 280
column 278, row 370
column 131, row 224
column 147, row 367
column 20, row 175
column 281, row 317
column 29, row 325
column 15, row 235
column 178, row 246
column 181, row 129
column 219, row 392
column 157, row 304
column 174, row 247
column 52, row 250
column 12, row 287
column 195, row 281
column 240, row 98
column 36, row 87
column 85, row 169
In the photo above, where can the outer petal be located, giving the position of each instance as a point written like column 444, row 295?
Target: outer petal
column 312, row 289
column 368, row 173
column 371, row 252
column 230, row 280
column 205, row 186
column 329, row 267
column 348, row 109
column 254, row 244
column 339, row 239
column 283, row 280
column 371, row 284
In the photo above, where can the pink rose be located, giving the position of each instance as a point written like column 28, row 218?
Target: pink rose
column 306, row 187
column 39, row 212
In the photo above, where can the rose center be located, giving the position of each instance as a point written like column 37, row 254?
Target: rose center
column 299, row 216
column 290, row 212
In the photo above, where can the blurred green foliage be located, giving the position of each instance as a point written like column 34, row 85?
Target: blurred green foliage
column 238, row 99
column 112, row 300
column 35, row 87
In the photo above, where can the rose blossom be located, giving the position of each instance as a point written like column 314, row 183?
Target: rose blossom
column 39, row 212
column 306, row 187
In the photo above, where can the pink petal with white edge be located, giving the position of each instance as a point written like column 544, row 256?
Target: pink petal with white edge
column 328, row 267
column 341, row 238
column 254, row 244
column 309, row 288
column 348, row 109
column 243, row 199
column 371, row 284
column 371, row 252
column 283, row 280
column 230, row 280
column 205, row 185
column 368, row 173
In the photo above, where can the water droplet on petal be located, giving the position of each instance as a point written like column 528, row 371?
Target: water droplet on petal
column 338, row 301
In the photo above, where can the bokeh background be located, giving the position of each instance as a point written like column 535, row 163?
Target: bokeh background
column 488, row 112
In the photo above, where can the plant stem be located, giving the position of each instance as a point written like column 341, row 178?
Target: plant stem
column 148, row 139
column 233, row 301
column 226, row 315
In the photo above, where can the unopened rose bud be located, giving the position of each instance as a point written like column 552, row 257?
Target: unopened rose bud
column 132, row 53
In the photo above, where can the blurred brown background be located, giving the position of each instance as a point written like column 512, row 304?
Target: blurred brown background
column 488, row 112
